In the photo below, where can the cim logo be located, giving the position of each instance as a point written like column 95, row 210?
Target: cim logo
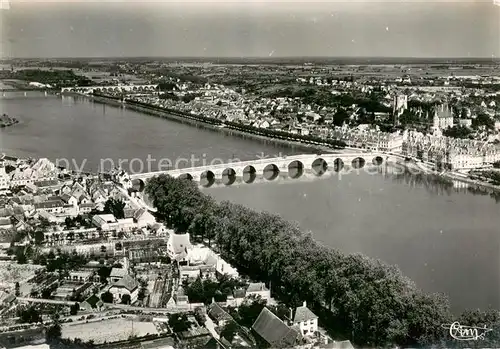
column 466, row 333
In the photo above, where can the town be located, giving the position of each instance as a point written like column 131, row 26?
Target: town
column 82, row 256
column 85, row 263
column 441, row 115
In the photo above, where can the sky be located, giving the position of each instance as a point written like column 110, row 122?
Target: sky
column 225, row 28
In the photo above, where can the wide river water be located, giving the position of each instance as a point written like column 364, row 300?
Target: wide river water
column 445, row 240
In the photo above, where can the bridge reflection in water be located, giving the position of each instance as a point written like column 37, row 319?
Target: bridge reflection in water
column 293, row 167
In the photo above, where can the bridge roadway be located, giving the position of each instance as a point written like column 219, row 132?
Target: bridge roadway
column 111, row 88
column 296, row 164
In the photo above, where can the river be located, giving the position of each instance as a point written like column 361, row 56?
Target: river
column 446, row 240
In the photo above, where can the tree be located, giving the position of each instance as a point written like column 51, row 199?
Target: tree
column 115, row 207
column 20, row 256
column 126, row 299
column 250, row 309
column 340, row 117
column 53, row 332
column 107, row 297
column 104, row 273
column 281, row 311
column 29, row 315
column 46, row 293
column 179, row 322
column 229, row 331
column 141, row 294
column 354, row 296
column 74, row 309
column 457, row 131
column 200, row 316
column 39, row 237
column 485, row 120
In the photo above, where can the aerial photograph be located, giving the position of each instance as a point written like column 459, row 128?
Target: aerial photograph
column 235, row 174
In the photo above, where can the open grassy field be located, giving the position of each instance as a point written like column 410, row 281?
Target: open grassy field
column 107, row 330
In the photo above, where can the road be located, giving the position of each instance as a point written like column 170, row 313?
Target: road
column 124, row 307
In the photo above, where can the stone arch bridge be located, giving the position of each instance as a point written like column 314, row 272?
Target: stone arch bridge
column 269, row 168
column 118, row 88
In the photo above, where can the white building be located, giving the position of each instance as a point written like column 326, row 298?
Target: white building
column 105, row 221
column 4, row 179
column 443, row 118
column 144, row 218
column 178, row 246
column 125, row 286
column 399, row 105
column 306, row 320
column 259, row 289
column 41, row 170
column 465, row 122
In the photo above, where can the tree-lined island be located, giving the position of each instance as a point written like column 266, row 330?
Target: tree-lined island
column 6, row 120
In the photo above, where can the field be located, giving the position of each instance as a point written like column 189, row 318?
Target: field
column 107, row 330
column 11, row 273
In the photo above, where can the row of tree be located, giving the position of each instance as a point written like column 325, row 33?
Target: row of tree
column 249, row 128
column 356, row 297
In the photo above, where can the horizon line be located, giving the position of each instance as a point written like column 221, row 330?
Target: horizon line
column 493, row 58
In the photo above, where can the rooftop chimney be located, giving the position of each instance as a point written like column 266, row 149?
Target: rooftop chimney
column 304, row 304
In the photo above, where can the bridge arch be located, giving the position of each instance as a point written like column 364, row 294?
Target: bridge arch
column 271, row 171
column 378, row 160
column 228, row 176
column 207, row 179
column 319, row 166
column 358, row 163
column 187, row 176
column 295, row 169
column 249, row 174
column 338, row 165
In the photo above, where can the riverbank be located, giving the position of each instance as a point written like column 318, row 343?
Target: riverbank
column 232, row 130
column 455, row 176
column 194, row 120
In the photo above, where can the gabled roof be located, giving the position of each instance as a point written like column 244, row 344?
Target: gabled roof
column 273, row 330
column 129, row 212
column 49, row 204
column 216, row 312
column 94, row 301
column 127, row 282
column 5, row 221
column 65, row 197
column 47, row 183
column 303, row 313
column 118, row 272
column 142, row 213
